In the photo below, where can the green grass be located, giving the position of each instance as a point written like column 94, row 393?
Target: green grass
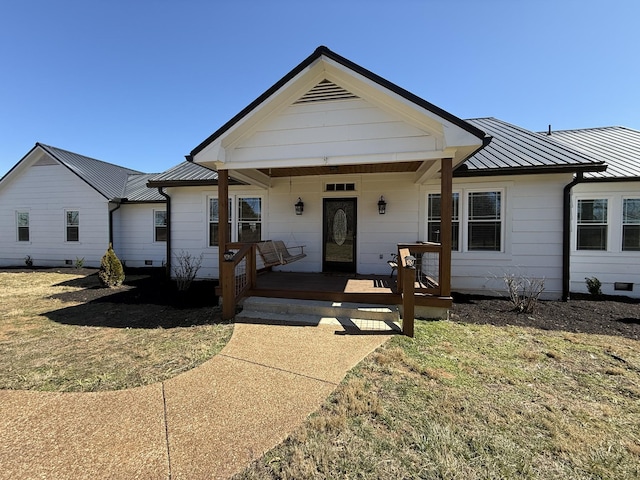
column 464, row 401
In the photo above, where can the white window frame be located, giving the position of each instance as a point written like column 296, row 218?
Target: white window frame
column 67, row 225
column 28, row 226
column 577, row 224
column 459, row 220
column 463, row 219
column 622, row 223
column 234, row 221
column 156, row 225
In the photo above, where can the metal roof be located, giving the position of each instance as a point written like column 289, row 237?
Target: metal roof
column 186, row 173
column 619, row 147
column 516, row 150
column 106, row 178
column 136, row 190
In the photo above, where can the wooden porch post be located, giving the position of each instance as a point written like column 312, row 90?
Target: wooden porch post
column 446, row 204
column 225, row 269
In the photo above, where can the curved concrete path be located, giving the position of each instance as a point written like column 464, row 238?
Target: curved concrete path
column 207, row 423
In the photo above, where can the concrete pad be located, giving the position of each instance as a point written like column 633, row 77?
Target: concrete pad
column 114, row 435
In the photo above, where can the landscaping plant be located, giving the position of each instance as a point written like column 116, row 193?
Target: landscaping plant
column 111, row 272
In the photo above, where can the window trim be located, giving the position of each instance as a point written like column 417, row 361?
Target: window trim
column 156, row 226
column 67, row 225
column 18, row 227
column 234, row 221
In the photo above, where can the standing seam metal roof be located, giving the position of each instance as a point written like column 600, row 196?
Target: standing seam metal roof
column 106, row 178
column 513, row 147
column 619, row 147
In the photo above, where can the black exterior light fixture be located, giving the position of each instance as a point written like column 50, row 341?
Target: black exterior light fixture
column 382, row 206
column 299, row 206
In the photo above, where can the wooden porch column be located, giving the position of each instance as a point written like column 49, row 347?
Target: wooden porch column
column 225, row 269
column 446, row 207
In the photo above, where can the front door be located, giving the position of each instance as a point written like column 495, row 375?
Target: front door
column 339, row 235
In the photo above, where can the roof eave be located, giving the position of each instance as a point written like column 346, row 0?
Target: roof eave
column 497, row 172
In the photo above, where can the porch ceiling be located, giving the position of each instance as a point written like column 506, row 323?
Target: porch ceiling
column 398, row 167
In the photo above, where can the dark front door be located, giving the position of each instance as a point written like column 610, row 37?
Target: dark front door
column 339, row 235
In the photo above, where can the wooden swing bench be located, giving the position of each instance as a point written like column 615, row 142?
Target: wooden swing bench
column 274, row 252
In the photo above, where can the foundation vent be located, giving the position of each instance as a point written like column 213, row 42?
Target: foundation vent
column 325, row 91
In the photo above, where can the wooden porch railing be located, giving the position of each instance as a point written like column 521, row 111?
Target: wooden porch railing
column 238, row 276
column 430, row 274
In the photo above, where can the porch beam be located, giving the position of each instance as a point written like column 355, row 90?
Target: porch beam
column 427, row 170
column 446, row 211
column 252, row 177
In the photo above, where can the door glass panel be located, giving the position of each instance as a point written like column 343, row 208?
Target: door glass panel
column 340, row 234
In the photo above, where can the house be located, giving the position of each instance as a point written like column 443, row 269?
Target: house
column 346, row 163
column 59, row 207
column 605, row 206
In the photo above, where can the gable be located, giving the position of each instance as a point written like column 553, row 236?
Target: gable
column 403, row 127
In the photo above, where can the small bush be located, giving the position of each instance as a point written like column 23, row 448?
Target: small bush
column 111, row 272
column 593, row 285
column 186, row 268
column 523, row 291
column 79, row 263
column 28, row 261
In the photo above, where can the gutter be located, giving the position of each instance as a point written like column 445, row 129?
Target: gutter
column 566, row 235
column 168, row 198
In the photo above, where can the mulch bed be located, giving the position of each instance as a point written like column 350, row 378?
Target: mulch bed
column 604, row 315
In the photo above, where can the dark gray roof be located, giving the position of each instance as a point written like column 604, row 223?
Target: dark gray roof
column 516, row 150
column 136, row 190
column 619, row 147
column 106, row 178
column 186, row 174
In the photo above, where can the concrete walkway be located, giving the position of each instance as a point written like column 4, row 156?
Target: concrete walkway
column 207, row 423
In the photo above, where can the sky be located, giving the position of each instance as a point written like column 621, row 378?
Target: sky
column 140, row 83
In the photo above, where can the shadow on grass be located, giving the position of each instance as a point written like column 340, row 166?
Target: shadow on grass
column 143, row 301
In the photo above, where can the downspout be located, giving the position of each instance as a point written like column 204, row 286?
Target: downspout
column 566, row 235
column 168, row 264
column 118, row 203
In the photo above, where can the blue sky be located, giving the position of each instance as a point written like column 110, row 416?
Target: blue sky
column 140, row 83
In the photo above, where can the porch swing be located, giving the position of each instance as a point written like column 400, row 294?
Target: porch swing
column 275, row 253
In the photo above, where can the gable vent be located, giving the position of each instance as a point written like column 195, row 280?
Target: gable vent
column 325, row 91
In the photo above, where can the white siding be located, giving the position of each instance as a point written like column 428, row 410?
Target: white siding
column 134, row 235
column 613, row 265
column 532, row 238
column 46, row 191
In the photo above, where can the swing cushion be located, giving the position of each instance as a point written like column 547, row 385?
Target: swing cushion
column 274, row 252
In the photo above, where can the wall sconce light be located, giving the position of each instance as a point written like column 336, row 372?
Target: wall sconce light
column 228, row 256
column 382, row 206
column 299, row 206
column 410, row 261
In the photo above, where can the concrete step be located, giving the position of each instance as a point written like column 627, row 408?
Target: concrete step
column 313, row 312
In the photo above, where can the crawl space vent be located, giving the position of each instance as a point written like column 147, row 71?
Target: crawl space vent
column 325, row 91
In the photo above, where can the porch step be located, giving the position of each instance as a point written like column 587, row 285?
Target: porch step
column 314, row 312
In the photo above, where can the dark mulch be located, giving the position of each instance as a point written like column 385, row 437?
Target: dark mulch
column 604, row 315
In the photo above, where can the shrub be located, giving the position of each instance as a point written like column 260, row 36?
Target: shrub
column 111, row 272
column 186, row 268
column 523, row 291
column 28, row 261
column 593, row 285
column 79, row 263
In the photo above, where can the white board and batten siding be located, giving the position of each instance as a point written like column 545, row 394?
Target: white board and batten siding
column 46, row 190
column 531, row 235
column 612, row 265
column 134, row 236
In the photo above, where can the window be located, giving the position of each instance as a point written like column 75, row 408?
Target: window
column 160, row 225
column 249, row 219
column 213, row 222
column 73, row 225
column 433, row 219
column 631, row 224
column 485, row 221
column 592, row 224
column 23, row 226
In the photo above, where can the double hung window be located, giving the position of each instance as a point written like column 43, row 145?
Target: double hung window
column 592, row 227
column 22, row 219
column 245, row 220
column 631, row 224
column 72, row 219
column 160, row 225
column 433, row 219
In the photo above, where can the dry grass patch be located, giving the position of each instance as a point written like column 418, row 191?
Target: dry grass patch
column 464, row 401
column 60, row 332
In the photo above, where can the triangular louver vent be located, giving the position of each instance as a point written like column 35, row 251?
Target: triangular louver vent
column 325, row 91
